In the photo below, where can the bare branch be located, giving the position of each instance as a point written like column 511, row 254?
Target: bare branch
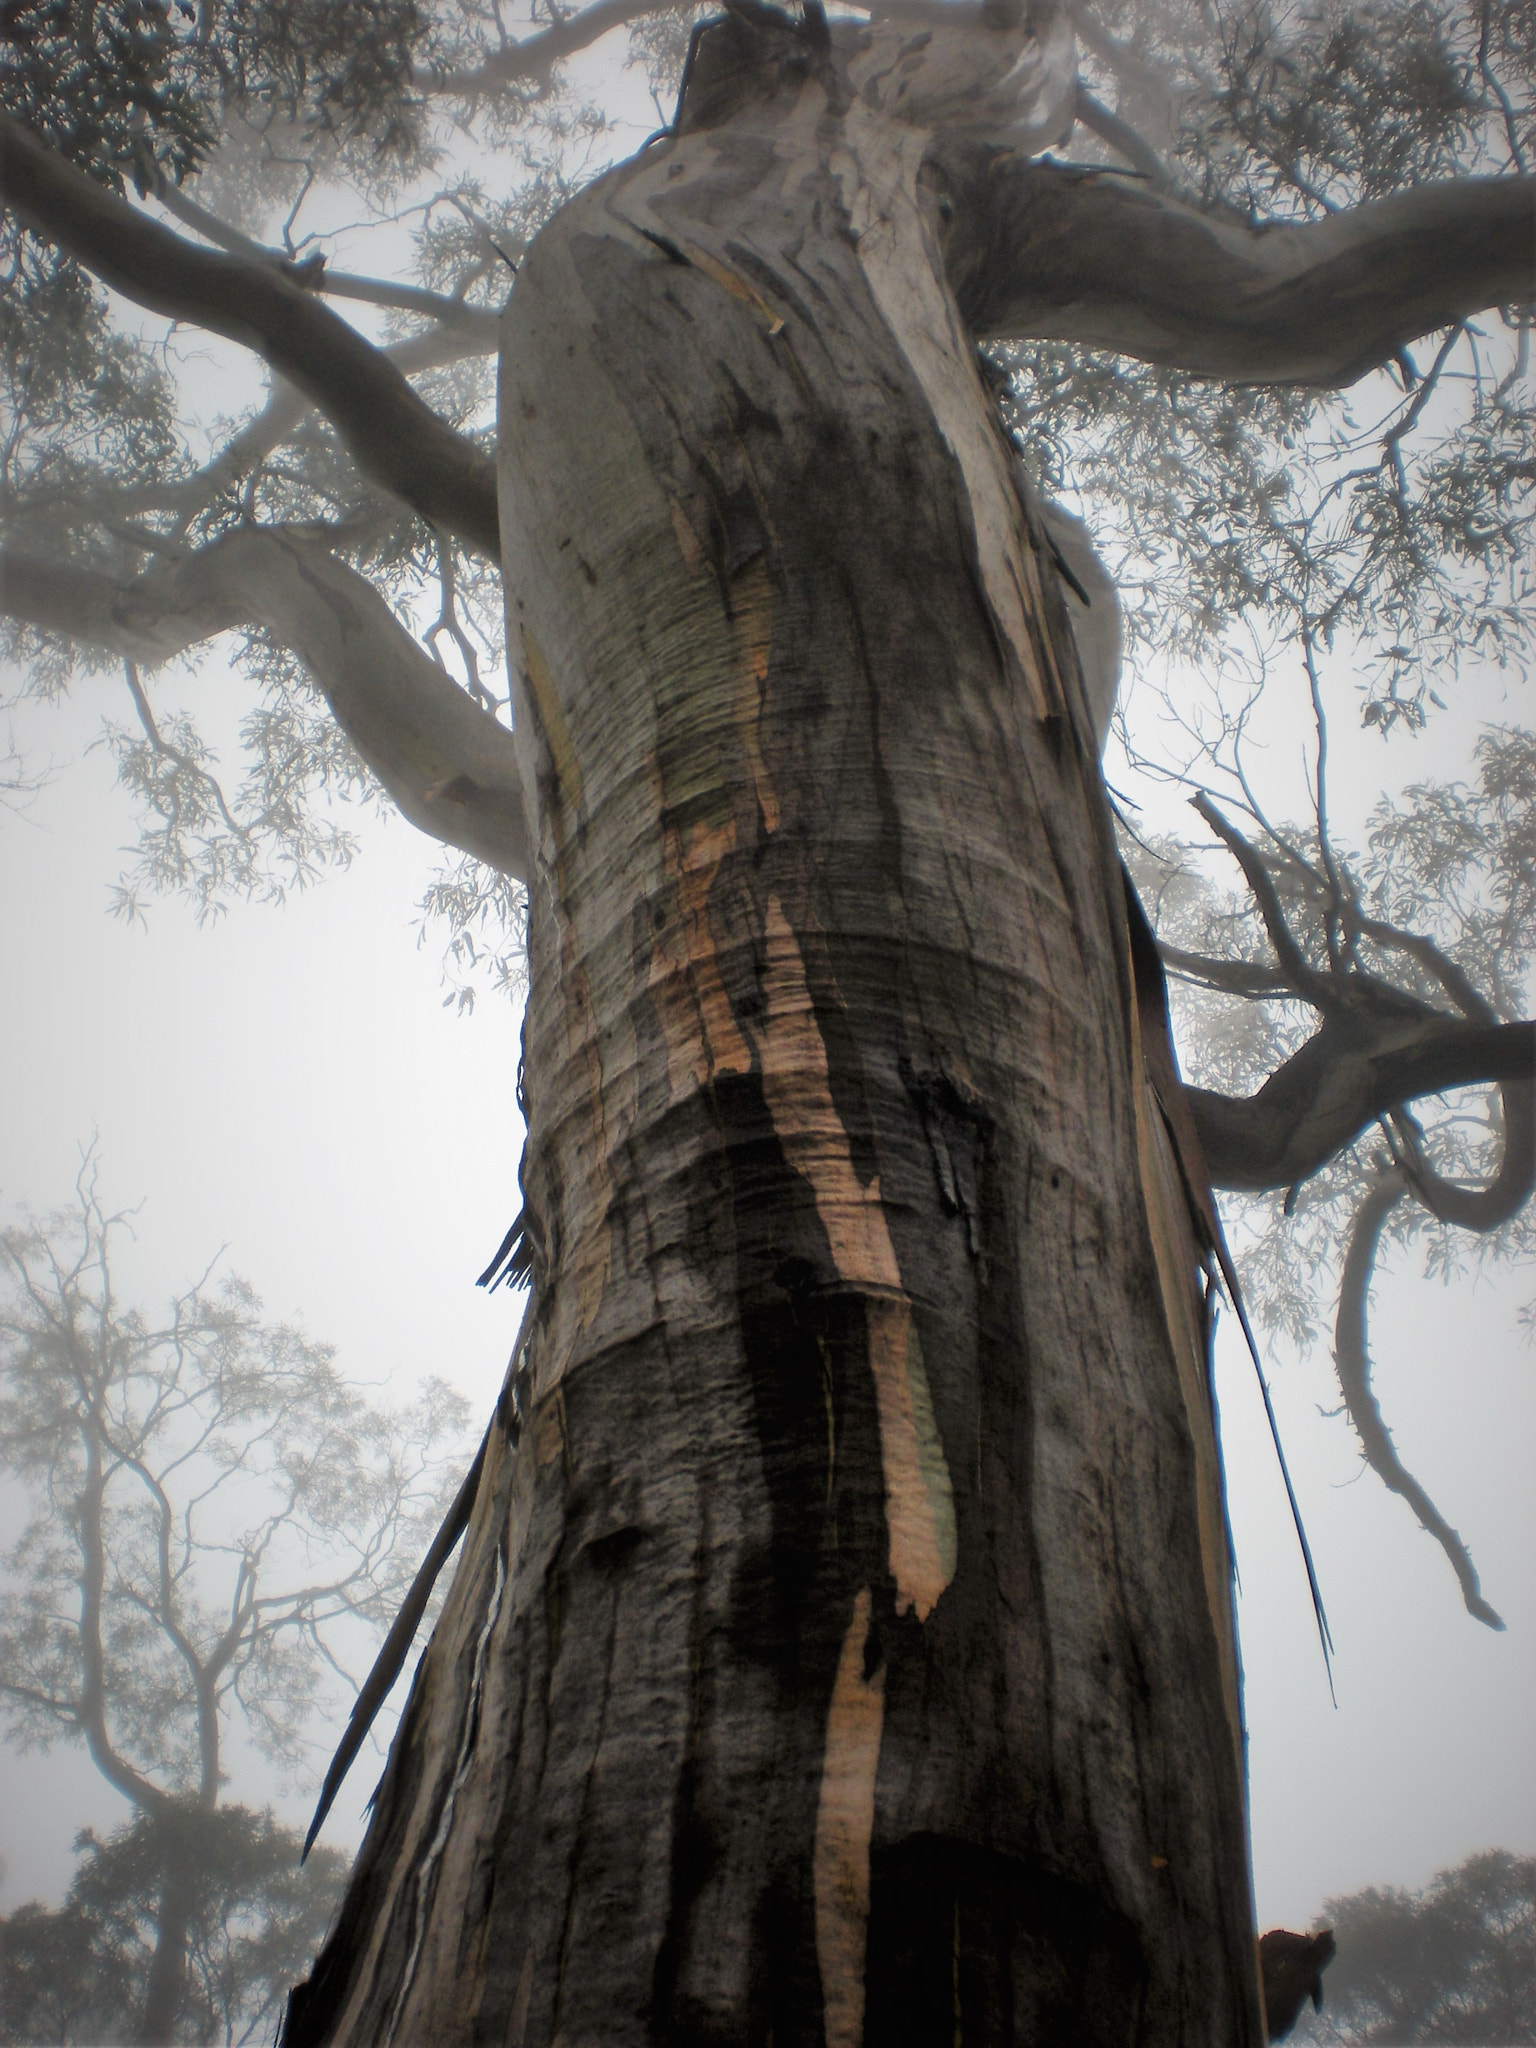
column 1355, row 1068
column 1303, row 978
column 1121, row 137
column 397, row 441
column 1040, row 251
column 1353, row 1359
column 316, row 275
column 449, row 765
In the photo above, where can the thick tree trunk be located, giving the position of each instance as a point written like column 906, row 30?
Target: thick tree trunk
column 844, row 1651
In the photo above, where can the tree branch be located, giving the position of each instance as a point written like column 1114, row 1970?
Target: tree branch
column 1355, row 1068
column 448, row 764
column 1039, row 251
column 1121, row 137
column 1301, row 976
column 1353, row 1359
column 396, row 439
column 479, row 322
column 1484, row 1208
column 536, row 56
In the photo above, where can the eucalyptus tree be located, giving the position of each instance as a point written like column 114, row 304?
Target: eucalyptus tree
column 217, row 1523
column 842, row 1644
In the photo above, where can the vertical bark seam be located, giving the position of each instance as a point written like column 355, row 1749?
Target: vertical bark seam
column 462, row 1765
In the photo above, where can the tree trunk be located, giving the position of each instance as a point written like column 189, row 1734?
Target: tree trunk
column 843, row 1653
column 166, row 1988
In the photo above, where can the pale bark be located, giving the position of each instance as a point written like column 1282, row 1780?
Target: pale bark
column 449, row 766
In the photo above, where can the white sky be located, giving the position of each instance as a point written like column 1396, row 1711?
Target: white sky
column 288, row 1083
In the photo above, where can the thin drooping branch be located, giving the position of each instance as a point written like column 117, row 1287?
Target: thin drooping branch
column 449, row 766
column 1353, row 1360
column 162, row 746
column 1045, row 252
column 396, row 439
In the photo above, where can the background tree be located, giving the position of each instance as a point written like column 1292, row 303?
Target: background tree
column 220, row 1522
column 1453, row 1962
column 731, row 612
column 79, row 1973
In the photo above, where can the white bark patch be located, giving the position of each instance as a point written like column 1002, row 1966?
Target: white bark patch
column 878, row 169
column 919, row 1498
column 1011, row 86
column 845, row 1820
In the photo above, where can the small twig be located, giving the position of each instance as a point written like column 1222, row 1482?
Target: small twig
column 447, row 621
column 182, row 760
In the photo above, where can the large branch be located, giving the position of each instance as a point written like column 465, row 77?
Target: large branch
column 396, row 439
column 1039, row 251
column 449, row 765
column 1350, row 1072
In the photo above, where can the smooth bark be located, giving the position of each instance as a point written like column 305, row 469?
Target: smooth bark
column 1052, row 253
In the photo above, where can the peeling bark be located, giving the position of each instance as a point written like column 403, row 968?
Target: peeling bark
column 843, row 1652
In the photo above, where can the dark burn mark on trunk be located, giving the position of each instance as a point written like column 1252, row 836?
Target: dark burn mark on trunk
column 968, row 1945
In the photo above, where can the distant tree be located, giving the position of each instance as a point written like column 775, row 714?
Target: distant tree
column 1454, row 1962
column 79, row 1973
column 219, row 1519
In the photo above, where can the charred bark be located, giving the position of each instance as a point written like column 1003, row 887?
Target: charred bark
column 842, row 1645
